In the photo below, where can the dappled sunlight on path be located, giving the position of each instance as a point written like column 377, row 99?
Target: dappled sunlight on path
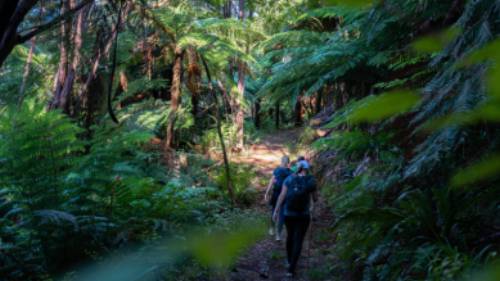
column 266, row 154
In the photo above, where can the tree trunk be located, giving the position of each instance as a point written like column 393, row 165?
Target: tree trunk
column 226, row 100
column 340, row 95
column 328, row 95
column 257, row 113
column 62, row 70
column 240, row 114
column 227, row 105
column 298, row 111
column 226, row 10
column 66, row 94
column 175, row 99
column 102, row 48
column 26, row 73
column 241, row 7
column 193, row 81
column 229, row 182
column 277, row 115
column 319, row 101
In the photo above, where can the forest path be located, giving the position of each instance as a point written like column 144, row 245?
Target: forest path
column 266, row 259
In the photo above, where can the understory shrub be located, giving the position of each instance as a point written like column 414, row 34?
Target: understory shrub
column 64, row 200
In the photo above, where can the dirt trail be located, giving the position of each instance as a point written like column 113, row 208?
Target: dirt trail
column 266, row 259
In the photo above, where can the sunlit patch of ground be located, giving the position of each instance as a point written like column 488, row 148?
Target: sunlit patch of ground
column 266, row 155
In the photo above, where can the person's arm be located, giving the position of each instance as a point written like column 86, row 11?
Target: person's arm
column 281, row 198
column 269, row 186
column 314, row 197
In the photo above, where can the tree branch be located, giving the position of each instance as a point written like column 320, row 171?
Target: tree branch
column 46, row 26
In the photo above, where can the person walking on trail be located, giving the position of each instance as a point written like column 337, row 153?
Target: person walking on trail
column 279, row 175
column 295, row 199
column 295, row 163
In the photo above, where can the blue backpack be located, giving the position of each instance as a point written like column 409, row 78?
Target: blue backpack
column 298, row 195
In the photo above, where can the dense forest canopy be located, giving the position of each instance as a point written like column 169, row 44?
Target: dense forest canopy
column 122, row 122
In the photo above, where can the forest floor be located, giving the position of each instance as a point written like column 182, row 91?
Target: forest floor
column 266, row 259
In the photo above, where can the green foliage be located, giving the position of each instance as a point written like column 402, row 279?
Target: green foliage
column 37, row 150
column 490, row 272
column 210, row 139
column 352, row 3
column 354, row 143
column 58, row 190
column 220, row 249
column 436, row 42
column 242, row 178
column 376, row 108
column 36, row 84
column 487, row 169
column 400, row 199
column 307, row 136
column 412, row 175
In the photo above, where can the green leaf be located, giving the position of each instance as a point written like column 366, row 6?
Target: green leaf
column 436, row 42
column 490, row 272
column 487, row 52
column 493, row 81
column 377, row 108
column 487, row 112
column 351, row 3
column 220, row 249
column 486, row 169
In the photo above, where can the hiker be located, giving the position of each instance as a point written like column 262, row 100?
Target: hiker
column 279, row 175
column 295, row 200
column 293, row 165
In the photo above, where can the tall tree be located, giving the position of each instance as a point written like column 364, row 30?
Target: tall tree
column 239, row 114
column 66, row 93
column 175, row 97
column 29, row 59
column 62, row 71
column 194, row 80
column 298, row 111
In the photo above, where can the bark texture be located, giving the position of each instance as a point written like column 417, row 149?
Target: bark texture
column 175, row 100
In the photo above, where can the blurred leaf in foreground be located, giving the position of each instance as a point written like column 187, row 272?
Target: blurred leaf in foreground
column 489, row 112
column 493, row 81
column 352, row 3
column 488, row 53
column 485, row 53
column 220, row 249
column 490, row 273
column 217, row 248
column 436, row 42
column 377, row 108
column 486, row 169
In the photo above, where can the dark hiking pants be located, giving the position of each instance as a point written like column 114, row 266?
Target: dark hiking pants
column 296, row 228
